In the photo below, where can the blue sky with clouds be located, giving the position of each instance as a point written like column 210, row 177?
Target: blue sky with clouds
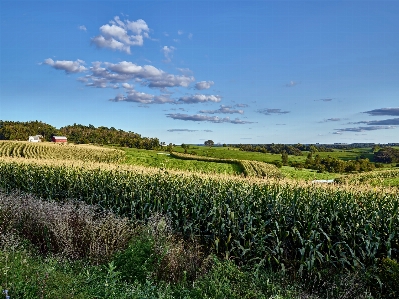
column 189, row 71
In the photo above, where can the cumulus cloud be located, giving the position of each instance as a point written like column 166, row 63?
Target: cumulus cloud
column 223, row 109
column 66, row 65
column 268, row 111
column 384, row 111
column 121, row 35
column 125, row 71
column 206, row 118
column 142, row 98
column 200, row 98
column 83, row 28
column 363, row 129
column 204, row 85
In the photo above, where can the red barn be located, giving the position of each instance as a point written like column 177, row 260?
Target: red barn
column 59, row 139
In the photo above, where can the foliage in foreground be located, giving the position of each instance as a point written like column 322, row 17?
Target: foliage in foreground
column 292, row 226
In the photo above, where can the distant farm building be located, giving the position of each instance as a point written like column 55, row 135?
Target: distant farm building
column 58, row 139
column 35, row 138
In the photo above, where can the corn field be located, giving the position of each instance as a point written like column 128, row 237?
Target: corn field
column 374, row 178
column 249, row 168
column 30, row 150
column 285, row 223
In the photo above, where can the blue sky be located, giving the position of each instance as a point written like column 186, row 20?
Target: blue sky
column 189, row 71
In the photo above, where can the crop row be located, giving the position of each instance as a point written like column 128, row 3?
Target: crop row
column 249, row 168
column 283, row 223
column 44, row 150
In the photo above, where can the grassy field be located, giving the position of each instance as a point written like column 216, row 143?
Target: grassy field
column 162, row 160
column 235, row 153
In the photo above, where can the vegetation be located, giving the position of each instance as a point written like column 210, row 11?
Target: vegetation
column 284, row 224
column 76, row 133
column 295, row 150
column 155, row 264
column 160, row 232
column 375, row 178
column 44, row 150
column 163, row 160
column 249, row 168
column 387, row 155
column 330, row 164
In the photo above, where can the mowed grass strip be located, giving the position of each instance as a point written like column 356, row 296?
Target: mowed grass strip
column 287, row 224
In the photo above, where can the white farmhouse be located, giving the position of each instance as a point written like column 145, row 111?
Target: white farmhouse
column 35, row 138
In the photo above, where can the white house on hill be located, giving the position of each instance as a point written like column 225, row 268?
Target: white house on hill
column 35, row 138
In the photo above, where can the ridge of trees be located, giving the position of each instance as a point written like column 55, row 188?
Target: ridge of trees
column 76, row 133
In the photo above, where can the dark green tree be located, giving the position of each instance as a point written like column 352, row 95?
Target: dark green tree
column 209, row 143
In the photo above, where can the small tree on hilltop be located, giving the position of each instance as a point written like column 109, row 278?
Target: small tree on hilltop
column 209, row 143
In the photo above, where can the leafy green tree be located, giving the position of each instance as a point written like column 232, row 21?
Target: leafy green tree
column 209, row 143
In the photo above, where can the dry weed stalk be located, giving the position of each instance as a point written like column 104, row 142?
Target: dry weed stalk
column 73, row 229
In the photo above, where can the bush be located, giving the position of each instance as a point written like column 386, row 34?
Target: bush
column 389, row 275
column 137, row 261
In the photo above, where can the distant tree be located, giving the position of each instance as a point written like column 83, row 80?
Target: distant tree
column 224, row 145
column 209, row 143
column 284, row 158
column 185, row 147
column 169, row 148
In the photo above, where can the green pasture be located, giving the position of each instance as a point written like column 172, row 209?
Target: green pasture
column 235, row 153
column 160, row 159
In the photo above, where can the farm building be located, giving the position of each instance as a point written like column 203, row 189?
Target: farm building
column 35, row 138
column 59, row 139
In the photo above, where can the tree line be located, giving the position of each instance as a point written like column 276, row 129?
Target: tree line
column 331, row 164
column 76, row 133
column 387, row 155
column 295, row 150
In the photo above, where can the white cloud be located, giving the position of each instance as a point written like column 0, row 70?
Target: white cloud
column 223, row 109
column 204, row 85
column 206, row 118
column 168, row 52
column 83, row 28
column 120, row 35
column 147, row 75
column 190, row 36
column 292, row 84
column 66, row 65
column 200, row 98
column 142, row 98
column 127, row 86
column 180, row 32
